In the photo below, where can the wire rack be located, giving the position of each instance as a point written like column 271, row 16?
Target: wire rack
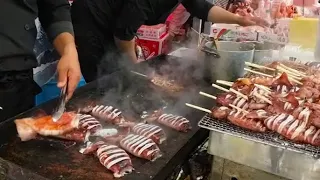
column 268, row 138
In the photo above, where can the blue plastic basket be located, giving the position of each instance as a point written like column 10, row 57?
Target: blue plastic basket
column 50, row 91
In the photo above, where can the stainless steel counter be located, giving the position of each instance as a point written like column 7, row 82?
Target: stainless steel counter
column 276, row 156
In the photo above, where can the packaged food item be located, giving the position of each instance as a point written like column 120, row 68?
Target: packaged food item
column 148, row 48
column 152, row 32
column 231, row 33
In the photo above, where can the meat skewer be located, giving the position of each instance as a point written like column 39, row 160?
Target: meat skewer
column 163, row 82
column 140, row 146
column 293, row 129
column 238, row 118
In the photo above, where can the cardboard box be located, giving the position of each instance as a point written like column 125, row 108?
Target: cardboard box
column 148, row 48
column 231, row 33
column 272, row 38
column 152, row 32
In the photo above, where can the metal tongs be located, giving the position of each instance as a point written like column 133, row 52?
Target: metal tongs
column 62, row 104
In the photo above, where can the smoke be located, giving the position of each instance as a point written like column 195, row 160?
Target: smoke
column 135, row 95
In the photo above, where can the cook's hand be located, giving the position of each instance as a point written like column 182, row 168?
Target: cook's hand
column 69, row 71
column 252, row 21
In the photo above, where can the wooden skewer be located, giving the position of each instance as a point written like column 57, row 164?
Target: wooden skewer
column 258, row 66
column 239, row 109
column 292, row 79
column 256, row 72
column 207, row 95
column 213, row 97
column 293, row 70
column 198, row 107
column 262, row 98
column 143, row 75
column 296, row 76
column 239, row 94
column 263, row 87
column 219, row 87
column 226, row 83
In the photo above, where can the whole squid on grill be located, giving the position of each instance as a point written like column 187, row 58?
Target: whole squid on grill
column 110, row 156
column 108, row 113
column 176, row 122
column 89, row 123
column 141, row 146
column 115, row 159
column 149, row 131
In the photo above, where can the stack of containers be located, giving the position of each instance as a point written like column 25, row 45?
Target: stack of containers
column 151, row 41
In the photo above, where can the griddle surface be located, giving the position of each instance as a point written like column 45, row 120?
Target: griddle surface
column 57, row 159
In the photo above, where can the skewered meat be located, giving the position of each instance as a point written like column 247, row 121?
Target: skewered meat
column 169, row 85
column 115, row 159
column 284, row 104
column 150, row 131
column 108, row 113
column 28, row 128
column 178, row 123
column 89, row 123
column 225, row 99
column 293, row 129
column 282, row 84
column 307, row 92
column 258, row 114
column 238, row 118
column 141, row 147
column 221, row 112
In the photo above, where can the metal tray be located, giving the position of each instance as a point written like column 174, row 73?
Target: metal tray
column 267, row 138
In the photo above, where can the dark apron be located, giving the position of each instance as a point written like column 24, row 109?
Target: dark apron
column 17, row 93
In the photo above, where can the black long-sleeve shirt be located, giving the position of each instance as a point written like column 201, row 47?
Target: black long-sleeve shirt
column 18, row 30
column 124, row 17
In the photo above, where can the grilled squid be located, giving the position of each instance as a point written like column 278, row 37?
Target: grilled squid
column 141, row 146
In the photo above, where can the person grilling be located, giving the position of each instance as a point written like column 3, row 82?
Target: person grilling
column 17, row 59
column 105, row 29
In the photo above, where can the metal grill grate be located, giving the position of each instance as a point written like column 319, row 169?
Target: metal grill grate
column 268, row 138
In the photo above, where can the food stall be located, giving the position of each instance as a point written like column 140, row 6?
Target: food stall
column 241, row 152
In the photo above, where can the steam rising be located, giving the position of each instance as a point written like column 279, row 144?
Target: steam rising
column 134, row 94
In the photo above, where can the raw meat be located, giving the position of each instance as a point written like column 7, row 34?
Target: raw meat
column 115, row 159
column 141, row 147
column 150, row 131
column 108, row 113
column 178, row 123
column 28, row 128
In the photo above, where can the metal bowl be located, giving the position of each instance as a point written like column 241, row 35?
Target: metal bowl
column 231, row 59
